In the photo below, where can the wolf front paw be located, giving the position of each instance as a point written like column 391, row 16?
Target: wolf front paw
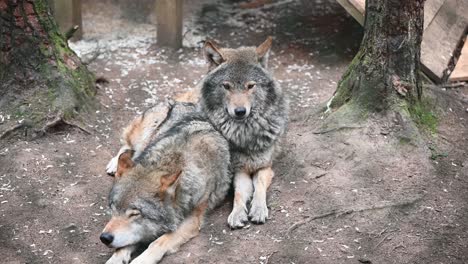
column 258, row 212
column 146, row 259
column 111, row 167
column 120, row 257
column 238, row 218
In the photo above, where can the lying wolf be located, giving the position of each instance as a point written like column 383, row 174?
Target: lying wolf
column 161, row 193
column 245, row 103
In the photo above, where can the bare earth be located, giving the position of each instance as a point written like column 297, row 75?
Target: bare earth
column 352, row 195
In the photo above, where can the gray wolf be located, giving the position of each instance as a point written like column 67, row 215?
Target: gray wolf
column 142, row 129
column 245, row 103
column 160, row 196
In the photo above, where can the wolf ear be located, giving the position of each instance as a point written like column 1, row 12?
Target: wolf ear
column 167, row 181
column 263, row 51
column 213, row 54
column 125, row 163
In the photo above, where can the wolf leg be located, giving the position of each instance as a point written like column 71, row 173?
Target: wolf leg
column 170, row 243
column 121, row 255
column 259, row 210
column 243, row 191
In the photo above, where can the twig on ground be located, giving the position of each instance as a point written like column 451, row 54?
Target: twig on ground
column 338, row 212
column 269, row 256
column 381, row 241
column 335, row 129
column 320, row 175
column 307, row 220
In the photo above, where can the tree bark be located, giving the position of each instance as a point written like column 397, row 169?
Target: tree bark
column 40, row 76
column 387, row 65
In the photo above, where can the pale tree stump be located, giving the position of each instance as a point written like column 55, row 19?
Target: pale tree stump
column 169, row 22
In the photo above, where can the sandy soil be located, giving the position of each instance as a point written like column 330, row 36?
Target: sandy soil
column 354, row 195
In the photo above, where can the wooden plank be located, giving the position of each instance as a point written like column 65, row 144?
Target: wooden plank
column 442, row 36
column 460, row 73
column 431, row 8
column 356, row 8
column 67, row 14
column 444, row 25
column 169, row 22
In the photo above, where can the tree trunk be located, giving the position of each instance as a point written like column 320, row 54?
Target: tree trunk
column 41, row 78
column 387, row 66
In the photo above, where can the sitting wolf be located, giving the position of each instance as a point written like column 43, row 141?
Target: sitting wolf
column 248, row 107
column 160, row 195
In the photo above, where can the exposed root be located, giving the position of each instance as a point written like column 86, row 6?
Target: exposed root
column 340, row 212
column 8, row 132
column 57, row 121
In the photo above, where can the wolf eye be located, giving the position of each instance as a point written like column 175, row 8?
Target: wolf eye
column 133, row 213
column 226, row 85
column 251, row 85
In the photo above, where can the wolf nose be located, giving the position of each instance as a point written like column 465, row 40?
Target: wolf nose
column 240, row 111
column 106, row 238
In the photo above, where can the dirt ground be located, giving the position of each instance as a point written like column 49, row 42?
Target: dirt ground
column 352, row 195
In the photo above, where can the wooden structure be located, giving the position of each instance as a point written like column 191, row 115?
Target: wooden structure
column 169, row 22
column 67, row 13
column 445, row 23
column 460, row 73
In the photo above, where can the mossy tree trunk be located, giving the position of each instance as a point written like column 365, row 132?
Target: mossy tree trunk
column 386, row 68
column 41, row 78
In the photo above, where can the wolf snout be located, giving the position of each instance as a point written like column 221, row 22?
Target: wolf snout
column 240, row 112
column 106, row 238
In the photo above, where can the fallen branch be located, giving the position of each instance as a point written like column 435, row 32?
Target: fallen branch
column 69, row 34
column 335, row 129
column 339, row 212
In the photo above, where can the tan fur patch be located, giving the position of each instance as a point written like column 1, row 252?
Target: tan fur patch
column 264, row 47
column 115, row 224
column 125, row 163
column 188, row 97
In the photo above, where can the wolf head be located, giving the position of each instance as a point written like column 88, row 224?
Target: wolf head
column 241, row 98
column 238, row 78
column 139, row 204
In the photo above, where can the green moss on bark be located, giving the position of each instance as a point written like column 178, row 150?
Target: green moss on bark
column 58, row 83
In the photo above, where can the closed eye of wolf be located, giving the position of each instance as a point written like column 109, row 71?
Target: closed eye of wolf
column 159, row 199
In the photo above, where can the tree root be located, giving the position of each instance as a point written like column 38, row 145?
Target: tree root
column 11, row 130
column 340, row 212
column 58, row 120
